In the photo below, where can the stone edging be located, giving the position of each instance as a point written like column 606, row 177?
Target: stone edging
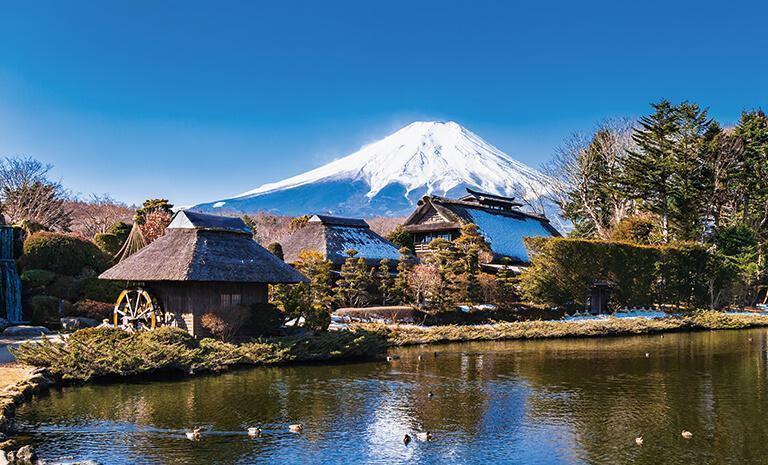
column 37, row 381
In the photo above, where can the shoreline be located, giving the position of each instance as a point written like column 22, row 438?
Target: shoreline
column 22, row 382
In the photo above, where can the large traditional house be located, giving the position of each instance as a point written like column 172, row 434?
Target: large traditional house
column 332, row 236
column 202, row 264
column 499, row 220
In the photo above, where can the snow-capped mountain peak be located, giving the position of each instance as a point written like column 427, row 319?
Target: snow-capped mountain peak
column 389, row 176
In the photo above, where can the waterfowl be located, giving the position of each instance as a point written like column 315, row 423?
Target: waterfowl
column 297, row 428
column 687, row 434
column 647, row 355
column 392, row 357
column 254, row 431
column 430, row 394
column 193, row 435
column 406, row 439
column 424, row 437
column 639, row 440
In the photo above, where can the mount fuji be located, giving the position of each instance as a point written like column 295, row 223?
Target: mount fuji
column 388, row 177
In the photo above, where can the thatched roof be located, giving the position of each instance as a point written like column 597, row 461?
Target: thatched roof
column 332, row 236
column 199, row 247
column 498, row 219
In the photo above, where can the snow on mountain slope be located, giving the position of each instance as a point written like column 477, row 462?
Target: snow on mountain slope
column 387, row 178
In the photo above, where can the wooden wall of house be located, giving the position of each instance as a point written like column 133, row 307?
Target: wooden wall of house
column 189, row 301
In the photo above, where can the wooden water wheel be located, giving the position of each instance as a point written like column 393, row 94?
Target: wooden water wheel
column 136, row 310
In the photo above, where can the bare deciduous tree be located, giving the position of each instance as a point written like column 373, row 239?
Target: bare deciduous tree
column 97, row 214
column 26, row 193
column 586, row 168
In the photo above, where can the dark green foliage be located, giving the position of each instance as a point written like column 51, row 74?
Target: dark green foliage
column 401, row 238
column 401, row 290
column 506, row 285
column 251, row 223
column 106, row 352
column 63, row 254
column 276, row 249
column 150, row 206
column 354, row 283
column 45, row 310
column 108, row 243
column 265, row 320
column 65, row 287
column 563, row 271
column 101, row 290
column 37, row 278
column 386, row 282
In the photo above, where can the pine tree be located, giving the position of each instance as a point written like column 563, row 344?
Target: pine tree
column 386, row 282
column 353, row 287
column 506, row 284
column 401, row 291
column 449, row 265
column 468, row 247
column 318, row 270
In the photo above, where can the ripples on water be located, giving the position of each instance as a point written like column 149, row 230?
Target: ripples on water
column 566, row 401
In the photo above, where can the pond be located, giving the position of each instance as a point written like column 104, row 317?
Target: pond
column 557, row 401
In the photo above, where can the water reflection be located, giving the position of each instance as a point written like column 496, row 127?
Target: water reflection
column 576, row 401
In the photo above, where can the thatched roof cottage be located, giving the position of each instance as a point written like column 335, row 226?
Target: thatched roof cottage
column 499, row 220
column 203, row 263
column 332, row 236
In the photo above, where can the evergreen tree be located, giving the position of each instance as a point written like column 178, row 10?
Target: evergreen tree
column 401, row 291
column 449, row 265
column 667, row 173
column 401, row 238
column 468, row 247
column 150, row 206
column 752, row 178
column 386, row 282
column 311, row 264
column 649, row 169
column 276, row 249
column 352, row 287
column 506, row 284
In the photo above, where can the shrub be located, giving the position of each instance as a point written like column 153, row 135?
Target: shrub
column 92, row 309
column 63, row 253
column 46, row 310
column 227, row 322
column 37, row 278
column 101, row 290
column 276, row 249
column 65, row 287
column 265, row 319
column 638, row 229
column 563, row 271
column 108, row 243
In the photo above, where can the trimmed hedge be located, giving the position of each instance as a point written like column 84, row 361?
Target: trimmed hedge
column 63, row 253
column 563, row 271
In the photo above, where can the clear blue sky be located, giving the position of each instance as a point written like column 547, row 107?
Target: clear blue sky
column 196, row 101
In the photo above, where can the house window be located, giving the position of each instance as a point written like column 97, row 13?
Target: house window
column 230, row 299
column 431, row 237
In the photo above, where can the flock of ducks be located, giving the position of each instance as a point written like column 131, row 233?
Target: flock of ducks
column 254, row 431
column 685, row 434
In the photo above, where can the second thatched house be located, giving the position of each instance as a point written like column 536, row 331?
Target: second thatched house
column 332, row 236
column 203, row 264
column 499, row 220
